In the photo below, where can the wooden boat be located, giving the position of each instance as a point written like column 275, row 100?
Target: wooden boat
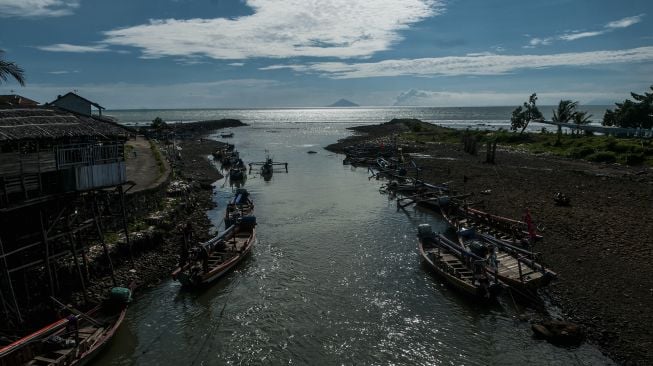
column 227, row 134
column 63, row 343
column 237, row 174
column 511, row 231
column 460, row 268
column 210, row 260
column 267, row 167
column 267, row 170
column 514, row 266
column 240, row 206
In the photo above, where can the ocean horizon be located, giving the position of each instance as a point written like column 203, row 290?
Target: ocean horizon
column 456, row 117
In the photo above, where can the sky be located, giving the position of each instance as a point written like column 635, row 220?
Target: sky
column 149, row 54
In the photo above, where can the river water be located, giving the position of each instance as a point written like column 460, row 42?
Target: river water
column 335, row 279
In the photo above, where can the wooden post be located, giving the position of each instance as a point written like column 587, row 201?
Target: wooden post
column 519, row 267
column 79, row 269
column 10, row 285
column 44, row 238
column 124, row 223
column 80, row 244
column 104, row 245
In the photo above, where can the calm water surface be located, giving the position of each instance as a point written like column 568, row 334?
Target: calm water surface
column 335, row 279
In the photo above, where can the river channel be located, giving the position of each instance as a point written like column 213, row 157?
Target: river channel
column 335, row 279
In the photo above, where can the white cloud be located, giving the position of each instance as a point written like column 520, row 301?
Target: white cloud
column 65, row 47
column 574, row 35
column 282, row 28
column 415, row 97
column 469, row 65
column 578, row 35
column 62, row 72
column 237, row 64
column 37, row 8
column 625, row 22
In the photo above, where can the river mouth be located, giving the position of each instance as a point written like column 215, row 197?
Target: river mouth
column 335, row 278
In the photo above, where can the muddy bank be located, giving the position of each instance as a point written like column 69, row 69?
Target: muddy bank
column 600, row 245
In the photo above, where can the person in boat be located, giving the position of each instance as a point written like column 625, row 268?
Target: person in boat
column 72, row 326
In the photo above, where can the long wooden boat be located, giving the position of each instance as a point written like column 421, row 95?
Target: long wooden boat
column 210, row 260
column 62, row 343
column 509, row 230
column 514, row 266
column 460, row 268
column 240, row 206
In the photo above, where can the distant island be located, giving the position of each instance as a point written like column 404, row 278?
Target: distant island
column 344, row 103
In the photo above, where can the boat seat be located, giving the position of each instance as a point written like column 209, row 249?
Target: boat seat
column 45, row 359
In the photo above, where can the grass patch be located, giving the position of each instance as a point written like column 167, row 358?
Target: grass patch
column 607, row 149
column 159, row 159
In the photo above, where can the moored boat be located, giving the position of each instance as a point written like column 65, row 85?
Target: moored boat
column 73, row 340
column 210, row 260
column 240, row 206
column 460, row 268
column 514, row 266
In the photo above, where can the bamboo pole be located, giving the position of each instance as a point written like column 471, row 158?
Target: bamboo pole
column 124, row 223
column 10, row 285
column 104, row 244
column 79, row 269
column 44, row 238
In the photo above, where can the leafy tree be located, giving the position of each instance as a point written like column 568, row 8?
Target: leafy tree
column 158, row 124
column 637, row 113
column 8, row 69
column 523, row 115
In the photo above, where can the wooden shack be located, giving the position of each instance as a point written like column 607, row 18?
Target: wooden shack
column 54, row 164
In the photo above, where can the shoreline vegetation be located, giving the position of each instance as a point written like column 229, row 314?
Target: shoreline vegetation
column 599, row 245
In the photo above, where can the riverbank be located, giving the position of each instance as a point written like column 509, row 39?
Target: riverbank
column 600, row 245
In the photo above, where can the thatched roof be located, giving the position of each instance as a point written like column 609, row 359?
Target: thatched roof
column 51, row 123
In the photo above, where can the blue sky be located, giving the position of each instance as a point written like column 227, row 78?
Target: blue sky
column 302, row 53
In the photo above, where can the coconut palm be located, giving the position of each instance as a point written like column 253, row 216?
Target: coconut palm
column 581, row 118
column 8, row 69
column 565, row 111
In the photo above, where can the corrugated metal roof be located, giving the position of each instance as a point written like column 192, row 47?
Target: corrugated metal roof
column 50, row 123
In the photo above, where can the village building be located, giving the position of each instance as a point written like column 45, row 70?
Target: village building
column 16, row 101
column 72, row 102
column 56, row 165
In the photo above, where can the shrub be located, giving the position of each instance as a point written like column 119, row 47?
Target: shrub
column 603, row 157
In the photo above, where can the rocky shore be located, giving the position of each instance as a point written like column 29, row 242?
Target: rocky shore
column 155, row 236
column 600, row 245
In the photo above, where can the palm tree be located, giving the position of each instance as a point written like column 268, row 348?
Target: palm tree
column 565, row 111
column 8, row 69
column 581, row 118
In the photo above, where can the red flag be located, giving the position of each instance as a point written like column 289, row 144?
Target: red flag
column 529, row 224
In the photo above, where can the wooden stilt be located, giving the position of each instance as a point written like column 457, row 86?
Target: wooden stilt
column 80, row 245
column 124, row 223
column 79, row 269
column 8, row 277
column 44, row 238
column 104, row 244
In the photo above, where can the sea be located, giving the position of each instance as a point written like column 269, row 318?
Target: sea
column 335, row 277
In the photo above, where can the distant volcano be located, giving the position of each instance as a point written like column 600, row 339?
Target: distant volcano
column 344, row 103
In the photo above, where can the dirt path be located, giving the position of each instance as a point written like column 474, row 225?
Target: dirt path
column 142, row 166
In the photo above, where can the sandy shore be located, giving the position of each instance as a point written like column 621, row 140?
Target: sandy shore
column 601, row 245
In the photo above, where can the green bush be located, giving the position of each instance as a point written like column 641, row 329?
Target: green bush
column 603, row 157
